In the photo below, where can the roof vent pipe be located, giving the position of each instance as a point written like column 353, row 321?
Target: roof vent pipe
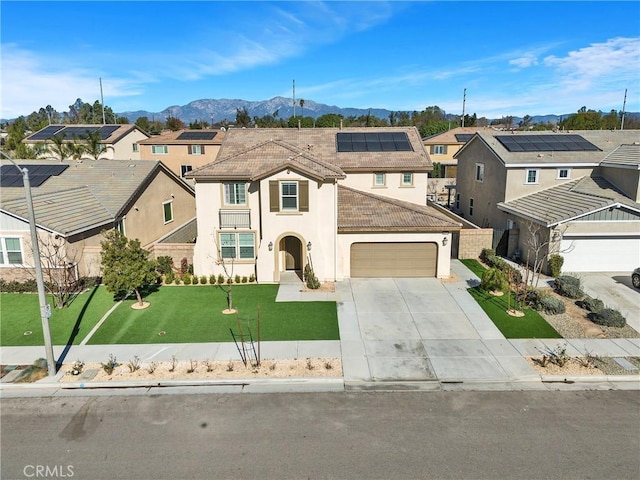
column 340, row 124
column 299, row 124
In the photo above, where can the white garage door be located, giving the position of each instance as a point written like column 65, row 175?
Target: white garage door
column 394, row 260
column 610, row 254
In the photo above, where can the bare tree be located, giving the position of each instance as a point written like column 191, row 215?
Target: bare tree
column 539, row 246
column 227, row 287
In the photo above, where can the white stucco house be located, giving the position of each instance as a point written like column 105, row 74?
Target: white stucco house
column 349, row 201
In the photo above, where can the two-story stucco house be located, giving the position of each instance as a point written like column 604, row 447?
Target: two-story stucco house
column 183, row 150
column 350, row 202
column 118, row 141
column 577, row 191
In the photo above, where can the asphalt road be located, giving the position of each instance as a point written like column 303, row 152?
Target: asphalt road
column 364, row 435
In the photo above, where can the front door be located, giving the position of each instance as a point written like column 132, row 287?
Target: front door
column 292, row 253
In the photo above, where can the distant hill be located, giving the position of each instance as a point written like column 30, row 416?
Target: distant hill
column 225, row 109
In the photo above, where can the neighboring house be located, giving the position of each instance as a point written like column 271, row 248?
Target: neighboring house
column 570, row 193
column 119, row 141
column 349, row 202
column 75, row 201
column 183, row 150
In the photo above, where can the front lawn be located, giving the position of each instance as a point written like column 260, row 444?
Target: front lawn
column 190, row 314
column 531, row 325
column 20, row 313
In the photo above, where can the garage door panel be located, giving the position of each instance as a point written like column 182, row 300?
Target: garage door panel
column 598, row 254
column 394, row 259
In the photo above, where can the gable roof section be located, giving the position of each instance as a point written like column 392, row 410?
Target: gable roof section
column 266, row 158
column 86, row 194
column 365, row 212
column 605, row 140
column 71, row 132
column 569, row 201
column 625, row 156
column 321, row 145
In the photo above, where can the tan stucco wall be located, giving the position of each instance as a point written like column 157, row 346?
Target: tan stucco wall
column 625, row 179
column 473, row 241
column 547, row 178
column 417, row 193
column 178, row 155
column 144, row 219
column 123, row 149
column 177, row 251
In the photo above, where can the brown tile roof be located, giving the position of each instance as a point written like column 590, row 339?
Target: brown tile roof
column 624, row 156
column 449, row 137
column 320, row 144
column 171, row 138
column 365, row 212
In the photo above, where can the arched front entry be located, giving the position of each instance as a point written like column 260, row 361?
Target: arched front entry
column 291, row 254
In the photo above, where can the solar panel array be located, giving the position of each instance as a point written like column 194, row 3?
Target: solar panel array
column 374, row 142
column 10, row 176
column 68, row 133
column 464, row 137
column 546, row 143
column 197, row 136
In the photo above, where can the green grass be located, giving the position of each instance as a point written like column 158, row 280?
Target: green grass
column 531, row 325
column 474, row 265
column 20, row 312
column 194, row 314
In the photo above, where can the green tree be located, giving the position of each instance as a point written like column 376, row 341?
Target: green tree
column 329, row 120
column 58, row 147
column 16, row 132
column 126, row 266
column 174, row 124
column 93, row 145
column 242, row 117
column 143, row 123
column 611, row 121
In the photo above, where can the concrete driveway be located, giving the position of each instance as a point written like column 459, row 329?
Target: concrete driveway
column 421, row 329
column 616, row 291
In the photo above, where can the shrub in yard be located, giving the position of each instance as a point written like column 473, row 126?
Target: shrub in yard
column 568, row 286
column 212, row 279
column 164, row 264
column 195, row 280
column 555, row 264
column 552, row 305
column 252, row 278
column 493, row 280
column 203, row 280
column 177, row 281
column 591, row 304
column 169, row 278
column 186, row 279
column 236, row 279
column 487, row 252
column 244, row 279
column 310, row 277
column 608, row 317
column 220, row 279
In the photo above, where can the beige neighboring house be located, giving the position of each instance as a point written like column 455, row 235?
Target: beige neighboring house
column 573, row 193
column 183, row 150
column 350, row 202
column 119, row 141
column 75, row 201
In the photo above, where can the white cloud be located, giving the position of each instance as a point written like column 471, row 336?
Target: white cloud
column 525, row 61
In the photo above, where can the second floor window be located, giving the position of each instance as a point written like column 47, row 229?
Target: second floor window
column 235, row 194
column 532, row 176
column 196, row 150
column 471, row 207
column 479, row 172
column 379, row 179
column 184, row 169
column 563, row 173
column 237, row 246
column 407, row 178
column 438, row 149
column 135, row 147
column 159, row 149
column 167, row 208
column 289, row 195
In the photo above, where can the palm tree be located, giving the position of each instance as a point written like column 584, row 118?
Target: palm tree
column 93, row 145
column 76, row 150
column 59, row 148
column 302, row 108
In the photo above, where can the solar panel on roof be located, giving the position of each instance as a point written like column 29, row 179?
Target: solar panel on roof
column 46, row 132
column 546, row 143
column 463, row 137
column 10, row 176
column 373, row 142
column 196, row 136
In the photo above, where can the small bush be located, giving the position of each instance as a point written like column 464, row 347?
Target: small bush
column 110, row 365
column 203, row 280
column 311, row 280
column 229, row 281
column 551, row 304
column 134, row 365
column 212, row 279
column 169, row 278
column 591, row 304
column 568, row 286
column 252, row 278
column 164, row 264
column 186, row 279
column 152, row 367
column 555, row 264
column 244, row 279
column 236, row 279
column 220, row 279
column 172, row 363
column 487, row 252
column 608, row 317
column 492, row 280
column 76, row 367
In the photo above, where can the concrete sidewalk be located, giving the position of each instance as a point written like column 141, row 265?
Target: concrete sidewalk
column 420, row 333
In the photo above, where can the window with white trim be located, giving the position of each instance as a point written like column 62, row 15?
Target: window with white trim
column 119, row 225
column 438, row 149
column 379, row 179
column 471, row 207
column 479, row 172
column 195, row 150
column 288, row 195
column 135, row 147
column 167, row 208
column 10, row 251
column 237, row 246
column 407, row 179
column 184, row 169
column 564, row 173
column 235, row 194
column 159, row 149
column 532, row 176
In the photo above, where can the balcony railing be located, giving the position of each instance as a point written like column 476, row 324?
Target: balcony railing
column 235, row 219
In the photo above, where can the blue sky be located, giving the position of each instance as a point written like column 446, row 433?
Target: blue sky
column 513, row 58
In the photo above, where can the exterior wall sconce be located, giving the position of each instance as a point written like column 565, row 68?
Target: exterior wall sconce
column 270, row 246
column 309, row 246
column 445, row 240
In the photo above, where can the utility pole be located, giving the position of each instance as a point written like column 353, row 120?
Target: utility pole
column 624, row 105
column 294, row 99
column 104, row 118
column 44, row 311
column 464, row 99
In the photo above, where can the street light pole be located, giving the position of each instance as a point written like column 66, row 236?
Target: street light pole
column 46, row 332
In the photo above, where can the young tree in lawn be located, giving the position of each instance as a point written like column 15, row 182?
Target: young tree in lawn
column 125, row 265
